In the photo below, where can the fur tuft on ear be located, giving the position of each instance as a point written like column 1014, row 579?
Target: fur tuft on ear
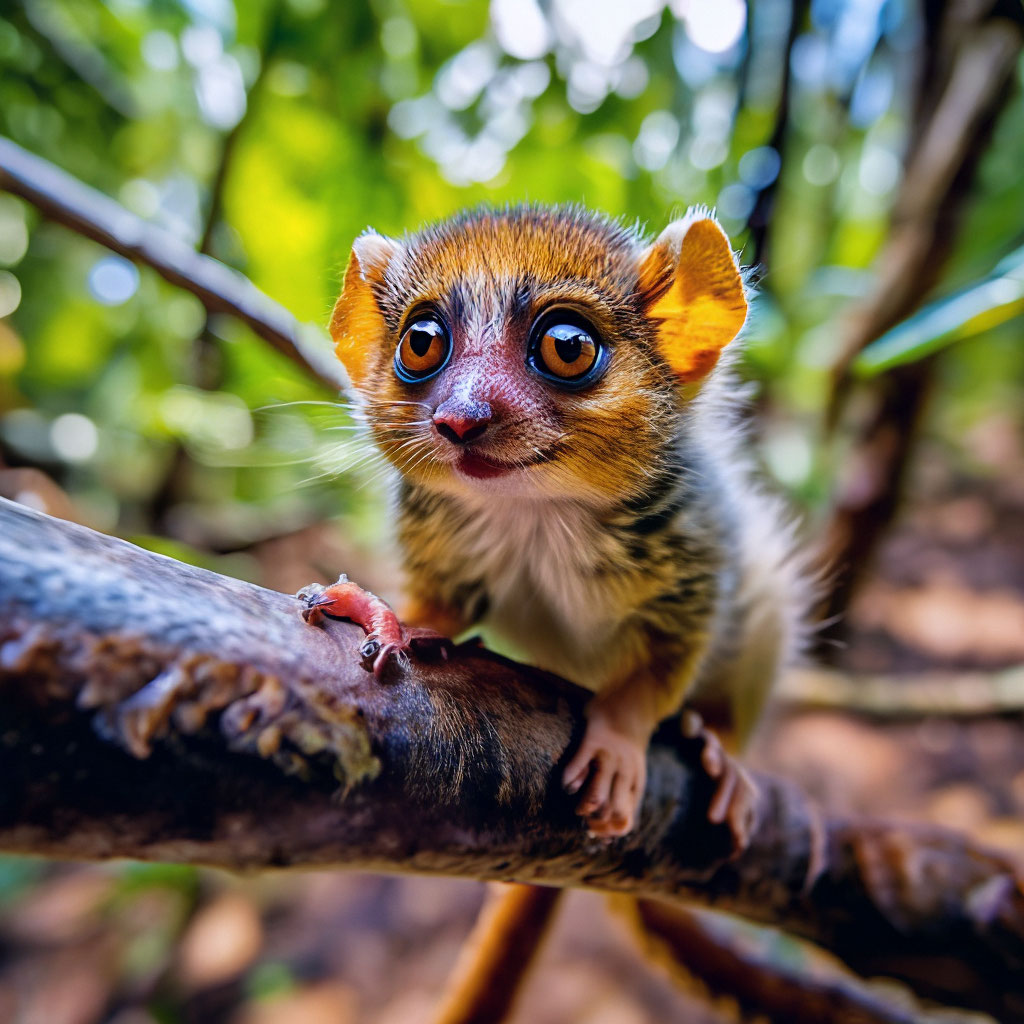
column 356, row 322
column 693, row 291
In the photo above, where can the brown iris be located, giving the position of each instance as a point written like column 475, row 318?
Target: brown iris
column 423, row 350
column 565, row 351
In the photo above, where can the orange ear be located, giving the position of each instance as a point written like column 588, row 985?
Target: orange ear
column 357, row 325
column 695, row 294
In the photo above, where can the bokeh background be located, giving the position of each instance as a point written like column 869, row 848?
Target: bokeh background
column 865, row 156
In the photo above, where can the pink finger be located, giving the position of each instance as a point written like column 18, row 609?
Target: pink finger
column 596, row 794
column 719, row 809
column 622, row 804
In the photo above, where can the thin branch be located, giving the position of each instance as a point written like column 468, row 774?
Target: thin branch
column 946, row 694
column 497, row 955
column 207, row 362
column 67, row 201
column 707, row 957
column 154, row 710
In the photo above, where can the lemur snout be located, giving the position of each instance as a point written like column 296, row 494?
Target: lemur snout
column 462, row 422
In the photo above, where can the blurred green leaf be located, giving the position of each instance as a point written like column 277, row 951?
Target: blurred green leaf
column 268, row 980
column 135, row 877
column 964, row 314
column 18, row 874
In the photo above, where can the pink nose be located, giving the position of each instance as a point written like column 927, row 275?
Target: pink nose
column 462, row 422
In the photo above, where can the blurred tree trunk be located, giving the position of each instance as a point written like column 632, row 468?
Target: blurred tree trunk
column 969, row 58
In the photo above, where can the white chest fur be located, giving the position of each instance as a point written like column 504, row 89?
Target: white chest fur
column 537, row 558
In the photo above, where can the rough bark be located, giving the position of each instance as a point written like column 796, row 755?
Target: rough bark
column 154, row 710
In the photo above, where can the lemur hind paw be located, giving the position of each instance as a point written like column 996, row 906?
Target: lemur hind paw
column 609, row 772
column 386, row 638
column 734, row 800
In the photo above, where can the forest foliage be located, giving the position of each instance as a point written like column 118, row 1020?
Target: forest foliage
column 270, row 133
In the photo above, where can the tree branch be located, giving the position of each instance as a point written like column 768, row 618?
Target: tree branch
column 67, row 201
column 154, row 710
column 705, row 956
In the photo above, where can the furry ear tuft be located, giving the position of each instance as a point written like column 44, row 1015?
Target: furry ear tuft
column 693, row 291
column 356, row 322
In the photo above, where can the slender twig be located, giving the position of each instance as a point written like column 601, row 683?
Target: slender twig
column 950, row 694
column 206, row 367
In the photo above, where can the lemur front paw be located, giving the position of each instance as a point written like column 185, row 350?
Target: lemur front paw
column 613, row 765
column 386, row 637
column 734, row 802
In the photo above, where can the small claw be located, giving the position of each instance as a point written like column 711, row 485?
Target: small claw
column 310, row 590
column 734, row 798
column 386, row 637
column 384, row 655
column 368, row 652
column 312, row 597
column 574, row 785
column 381, row 661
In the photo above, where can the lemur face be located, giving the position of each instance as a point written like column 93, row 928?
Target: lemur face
column 518, row 351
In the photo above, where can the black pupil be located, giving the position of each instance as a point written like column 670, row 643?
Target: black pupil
column 421, row 336
column 568, row 342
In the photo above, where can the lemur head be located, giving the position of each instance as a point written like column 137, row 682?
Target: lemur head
column 540, row 351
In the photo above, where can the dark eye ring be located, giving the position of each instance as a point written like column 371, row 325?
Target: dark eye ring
column 423, row 350
column 565, row 350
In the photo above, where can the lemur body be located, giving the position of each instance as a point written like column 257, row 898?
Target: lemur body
column 550, row 389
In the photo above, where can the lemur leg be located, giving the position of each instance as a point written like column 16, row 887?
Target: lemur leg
column 609, row 768
column 497, row 955
column 386, row 637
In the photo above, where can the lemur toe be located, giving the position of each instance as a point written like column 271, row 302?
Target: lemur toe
column 734, row 800
column 595, row 797
column 387, row 640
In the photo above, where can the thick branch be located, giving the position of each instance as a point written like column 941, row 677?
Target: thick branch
column 155, row 710
column 64, row 199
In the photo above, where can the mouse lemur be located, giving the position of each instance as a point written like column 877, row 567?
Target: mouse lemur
column 554, row 392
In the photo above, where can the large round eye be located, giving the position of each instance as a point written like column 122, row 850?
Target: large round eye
column 423, row 350
column 565, row 351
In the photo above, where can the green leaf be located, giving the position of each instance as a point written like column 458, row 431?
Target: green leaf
column 964, row 314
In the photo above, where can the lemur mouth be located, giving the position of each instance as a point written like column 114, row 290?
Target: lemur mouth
column 472, row 464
